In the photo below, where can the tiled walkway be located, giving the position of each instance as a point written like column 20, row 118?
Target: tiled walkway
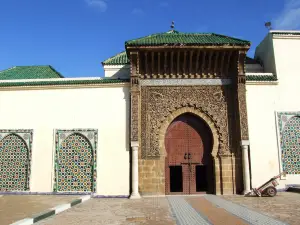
column 252, row 217
column 185, row 214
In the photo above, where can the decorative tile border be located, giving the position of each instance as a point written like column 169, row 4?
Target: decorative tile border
column 187, row 82
column 282, row 119
column 26, row 135
column 91, row 135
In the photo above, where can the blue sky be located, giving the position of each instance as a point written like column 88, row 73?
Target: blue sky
column 75, row 36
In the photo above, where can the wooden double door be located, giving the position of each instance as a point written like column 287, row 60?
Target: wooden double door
column 188, row 166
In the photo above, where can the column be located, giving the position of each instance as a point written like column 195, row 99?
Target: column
column 135, row 171
column 246, row 172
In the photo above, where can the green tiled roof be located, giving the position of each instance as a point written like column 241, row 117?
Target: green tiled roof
column 119, row 59
column 63, row 82
column 29, row 72
column 190, row 39
column 261, row 78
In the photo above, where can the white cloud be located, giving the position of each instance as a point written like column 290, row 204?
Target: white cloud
column 137, row 11
column 163, row 4
column 289, row 18
column 99, row 4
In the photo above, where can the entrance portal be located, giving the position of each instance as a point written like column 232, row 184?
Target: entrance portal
column 188, row 166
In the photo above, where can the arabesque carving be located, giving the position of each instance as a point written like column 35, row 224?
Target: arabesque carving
column 243, row 112
column 158, row 102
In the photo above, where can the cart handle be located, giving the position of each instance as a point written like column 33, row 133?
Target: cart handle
column 282, row 173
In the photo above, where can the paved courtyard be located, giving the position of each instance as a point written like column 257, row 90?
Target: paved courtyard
column 285, row 206
column 184, row 210
column 18, row 207
column 115, row 212
column 181, row 210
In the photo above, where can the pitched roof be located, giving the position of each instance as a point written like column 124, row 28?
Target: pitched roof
column 29, row 72
column 119, row 59
column 189, row 39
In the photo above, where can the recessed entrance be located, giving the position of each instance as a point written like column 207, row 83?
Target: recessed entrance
column 176, row 179
column 201, row 179
column 188, row 164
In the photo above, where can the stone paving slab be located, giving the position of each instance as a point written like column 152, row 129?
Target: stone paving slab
column 185, row 214
column 215, row 215
column 18, row 207
column 148, row 211
column 251, row 216
column 285, row 206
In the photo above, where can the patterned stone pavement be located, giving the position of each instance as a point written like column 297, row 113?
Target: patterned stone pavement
column 209, row 211
column 250, row 216
column 18, row 207
column 184, row 210
column 150, row 211
column 285, row 206
column 185, row 213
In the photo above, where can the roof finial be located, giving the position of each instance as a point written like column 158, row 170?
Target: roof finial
column 268, row 25
column 173, row 25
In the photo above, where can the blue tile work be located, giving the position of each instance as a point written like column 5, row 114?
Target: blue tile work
column 184, row 213
column 289, row 127
column 244, row 213
column 75, row 161
column 15, row 160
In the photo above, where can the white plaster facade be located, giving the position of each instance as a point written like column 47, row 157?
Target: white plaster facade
column 45, row 109
column 117, row 71
column 279, row 53
column 106, row 107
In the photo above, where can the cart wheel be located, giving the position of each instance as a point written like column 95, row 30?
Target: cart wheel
column 271, row 191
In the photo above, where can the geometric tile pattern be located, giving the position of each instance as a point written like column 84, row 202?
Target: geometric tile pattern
column 15, row 157
column 289, row 125
column 75, row 161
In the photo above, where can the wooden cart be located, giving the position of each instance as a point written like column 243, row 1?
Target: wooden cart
column 268, row 188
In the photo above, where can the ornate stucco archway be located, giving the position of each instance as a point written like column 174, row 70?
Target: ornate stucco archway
column 160, row 105
column 206, row 118
column 215, row 135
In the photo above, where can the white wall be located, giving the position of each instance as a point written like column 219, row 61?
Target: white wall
column 263, row 101
column 265, row 53
column 262, row 132
column 288, row 71
column 102, row 108
column 117, row 71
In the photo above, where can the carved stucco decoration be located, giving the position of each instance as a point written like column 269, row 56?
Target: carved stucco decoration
column 243, row 112
column 158, row 102
column 241, row 91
